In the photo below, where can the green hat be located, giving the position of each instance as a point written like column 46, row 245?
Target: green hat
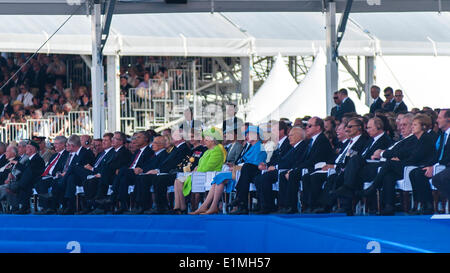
column 213, row 132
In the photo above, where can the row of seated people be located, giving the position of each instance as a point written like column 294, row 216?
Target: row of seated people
column 304, row 156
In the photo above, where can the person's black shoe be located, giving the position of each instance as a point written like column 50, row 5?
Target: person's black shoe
column 137, row 211
column 321, row 210
column 84, row 212
column 120, row 211
column 307, row 211
column 291, row 211
column 369, row 191
column 344, row 191
column 239, row 211
column 281, row 211
column 262, row 212
column 235, row 203
column 22, row 211
column 156, row 211
column 68, row 211
column 98, row 211
column 388, row 210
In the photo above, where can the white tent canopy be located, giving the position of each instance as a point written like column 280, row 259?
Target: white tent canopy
column 308, row 98
column 231, row 34
column 276, row 88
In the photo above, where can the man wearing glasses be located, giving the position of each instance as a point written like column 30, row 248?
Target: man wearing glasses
column 399, row 105
column 389, row 104
column 346, row 104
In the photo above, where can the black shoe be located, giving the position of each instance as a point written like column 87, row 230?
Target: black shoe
column 120, row 211
column 235, row 203
column 388, row 210
column 262, row 212
column 156, row 211
column 344, row 191
column 45, row 212
column 68, row 211
column 239, row 211
column 281, row 211
column 321, row 210
column 22, row 211
column 135, row 212
column 98, row 211
column 369, row 191
column 291, row 211
column 84, row 212
column 307, row 211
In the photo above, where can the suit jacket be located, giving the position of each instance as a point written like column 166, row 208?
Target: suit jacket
column 376, row 105
column 156, row 161
column 389, row 107
column 59, row 167
column 33, row 170
column 3, row 160
column 235, row 124
column 85, row 156
column 400, row 108
column 146, row 156
column 401, row 149
column 321, row 151
column 358, row 148
column 104, row 163
column 234, row 152
column 280, row 152
column 382, row 143
column 294, row 157
column 171, row 164
column 423, row 153
column 346, row 107
column 120, row 159
column 446, row 156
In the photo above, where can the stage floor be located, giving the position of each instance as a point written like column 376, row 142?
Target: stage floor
column 327, row 233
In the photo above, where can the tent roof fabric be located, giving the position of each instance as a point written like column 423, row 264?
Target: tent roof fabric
column 60, row 7
column 231, row 34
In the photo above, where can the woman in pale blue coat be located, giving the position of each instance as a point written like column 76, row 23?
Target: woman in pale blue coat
column 254, row 155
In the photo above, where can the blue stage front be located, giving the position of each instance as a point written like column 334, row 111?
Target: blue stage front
column 332, row 233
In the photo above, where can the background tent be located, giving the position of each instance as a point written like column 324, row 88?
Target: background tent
column 275, row 89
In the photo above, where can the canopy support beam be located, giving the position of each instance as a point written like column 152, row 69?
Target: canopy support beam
column 331, row 66
column 246, row 84
column 370, row 77
column 113, row 92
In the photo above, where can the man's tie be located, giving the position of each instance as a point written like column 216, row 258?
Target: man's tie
column 66, row 166
column 343, row 154
column 372, row 141
column 443, row 146
column 99, row 159
column 49, row 167
column 310, row 144
column 135, row 159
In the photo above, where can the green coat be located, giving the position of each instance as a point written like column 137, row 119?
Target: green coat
column 211, row 161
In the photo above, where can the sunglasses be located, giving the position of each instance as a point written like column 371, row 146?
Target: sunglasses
column 351, row 126
column 387, row 95
column 398, row 96
column 335, row 98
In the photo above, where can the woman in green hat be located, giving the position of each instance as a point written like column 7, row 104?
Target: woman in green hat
column 211, row 161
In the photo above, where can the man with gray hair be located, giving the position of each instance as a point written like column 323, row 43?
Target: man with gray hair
column 67, row 182
column 48, row 177
column 3, row 159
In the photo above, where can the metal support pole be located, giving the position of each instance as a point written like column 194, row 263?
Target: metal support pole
column 369, row 78
column 332, row 66
column 194, row 90
column 113, row 87
column 97, row 79
column 245, row 78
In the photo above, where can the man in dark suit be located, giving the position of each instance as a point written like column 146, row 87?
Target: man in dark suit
column 90, row 175
column 55, row 165
column 3, row 159
column 5, row 108
column 399, row 106
column 313, row 192
column 167, row 172
column 377, row 101
column 337, row 102
column 319, row 150
column 231, row 122
column 420, row 176
column 121, row 158
column 288, row 193
column 127, row 175
column 346, row 106
column 67, row 181
column 31, row 172
column 146, row 176
column 264, row 181
column 389, row 104
column 357, row 170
